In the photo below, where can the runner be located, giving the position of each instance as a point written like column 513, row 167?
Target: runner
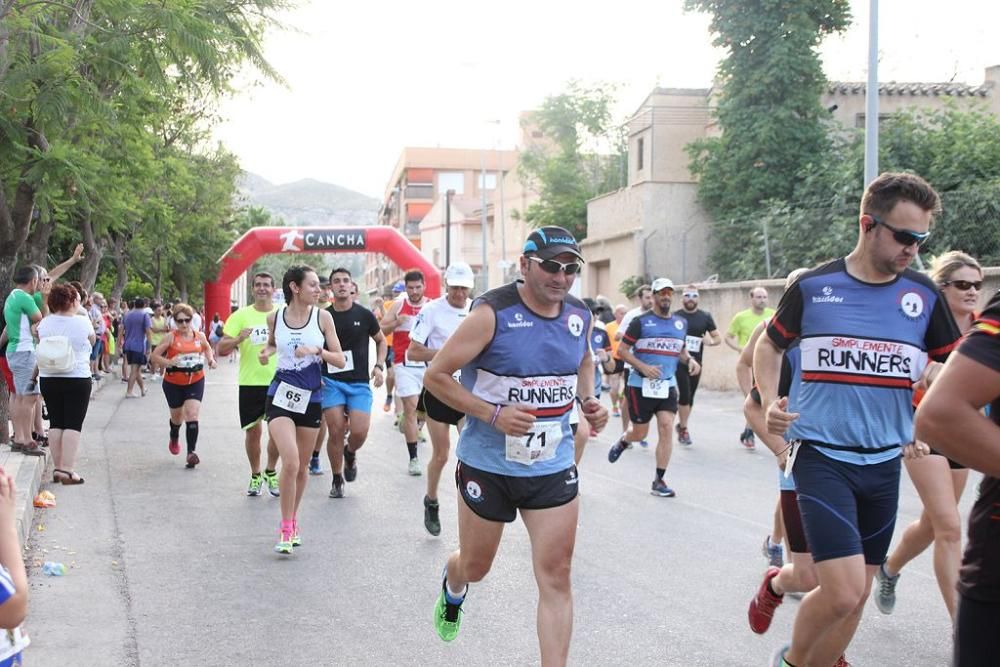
column 346, row 394
column 390, row 375
column 658, row 339
column 324, row 304
column 600, row 347
column 524, row 354
column 740, row 329
column 303, row 338
column 700, row 325
column 645, row 296
column 616, row 373
column 939, row 480
column 409, row 372
column 867, row 325
column 162, row 323
column 182, row 355
column 247, row 330
column 953, row 405
column 137, row 332
column 436, row 322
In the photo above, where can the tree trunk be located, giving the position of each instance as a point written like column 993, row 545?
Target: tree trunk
column 93, row 251
column 121, row 267
column 180, row 280
column 36, row 248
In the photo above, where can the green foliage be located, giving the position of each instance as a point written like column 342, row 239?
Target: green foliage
column 631, row 285
column 768, row 108
column 581, row 159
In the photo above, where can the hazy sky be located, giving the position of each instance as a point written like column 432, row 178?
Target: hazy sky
column 368, row 78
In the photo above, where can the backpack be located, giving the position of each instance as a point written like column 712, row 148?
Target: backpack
column 55, row 355
column 218, row 330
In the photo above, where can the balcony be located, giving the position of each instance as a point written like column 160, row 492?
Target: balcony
column 420, row 191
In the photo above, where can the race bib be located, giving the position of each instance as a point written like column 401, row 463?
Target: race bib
column 291, row 398
column 258, row 335
column 538, row 444
column 693, row 343
column 189, row 360
column 655, row 388
column 348, row 363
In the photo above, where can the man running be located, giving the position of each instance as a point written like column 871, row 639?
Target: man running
column 653, row 344
column 324, row 304
column 615, row 375
column 700, row 325
column 645, row 296
column 436, row 322
column 867, row 325
column 740, row 329
column 346, row 393
column 525, row 358
column 390, row 376
column 409, row 372
column 247, row 330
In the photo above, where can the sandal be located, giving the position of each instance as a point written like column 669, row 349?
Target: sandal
column 70, row 478
column 57, row 475
column 32, row 449
column 16, row 446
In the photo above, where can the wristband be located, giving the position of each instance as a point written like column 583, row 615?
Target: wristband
column 783, row 450
column 381, row 367
column 496, row 413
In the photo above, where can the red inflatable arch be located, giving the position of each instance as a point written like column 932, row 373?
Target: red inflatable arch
column 272, row 240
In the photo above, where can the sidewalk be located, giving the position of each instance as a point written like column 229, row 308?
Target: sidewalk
column 27, row 472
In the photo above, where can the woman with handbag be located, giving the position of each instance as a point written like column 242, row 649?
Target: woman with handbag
column 65, row 342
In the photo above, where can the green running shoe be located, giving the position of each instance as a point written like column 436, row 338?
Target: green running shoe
column 256, row 483
column 447, row 616
column 296, row 538
column 272, row 483
column 284, row 545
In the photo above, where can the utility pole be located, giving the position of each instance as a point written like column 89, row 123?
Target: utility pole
column 482, row 189
column 871, row 97
column 447, row 227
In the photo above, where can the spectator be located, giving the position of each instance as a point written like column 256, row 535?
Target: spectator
column 137, row 335
column 65, row 344
column 22, row 310
column 96, row 314
column 215, row 334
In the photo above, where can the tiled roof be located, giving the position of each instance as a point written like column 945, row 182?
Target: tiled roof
column 912, row 89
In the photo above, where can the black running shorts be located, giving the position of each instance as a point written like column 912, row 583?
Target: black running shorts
column 436, row 410
column 498, row 497
column 253, row 405
column 641, row 410
column 311, row 418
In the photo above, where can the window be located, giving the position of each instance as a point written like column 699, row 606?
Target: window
column 491, row 181
column 639, row 157
column 451, row 180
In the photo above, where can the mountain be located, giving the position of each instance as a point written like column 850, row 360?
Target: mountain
column 309, row 202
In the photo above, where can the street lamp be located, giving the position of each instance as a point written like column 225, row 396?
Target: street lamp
column 447, row 227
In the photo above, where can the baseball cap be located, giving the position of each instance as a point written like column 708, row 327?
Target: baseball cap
column 662, row 283
column 398, row 287
column 547, row 242
column 459, row 274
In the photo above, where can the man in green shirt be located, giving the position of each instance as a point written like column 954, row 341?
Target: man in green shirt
column 740, row 330
column 247, row 330
column 22, row 310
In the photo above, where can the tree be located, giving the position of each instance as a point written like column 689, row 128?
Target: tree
column 582, row 158
column 769, row 111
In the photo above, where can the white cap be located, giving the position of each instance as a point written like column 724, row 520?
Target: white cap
column 459, row 274
column 661, row 283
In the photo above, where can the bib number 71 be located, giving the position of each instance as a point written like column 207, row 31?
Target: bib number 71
column 538, row 444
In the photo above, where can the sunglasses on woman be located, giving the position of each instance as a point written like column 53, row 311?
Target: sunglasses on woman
column 182, row 320
column 903, row 236
column 552, row 266
column 964, row 285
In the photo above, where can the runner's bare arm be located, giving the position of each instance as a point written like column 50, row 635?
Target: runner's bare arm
column 647, row 370
column 205, row 345
column 767, row 371
column 419, row 352
column 228, row 343
column 391, row 319
column 693, row 366
column 714, row 338
column 468, row 341
column 156, row 356
column 332, row 354
column 592, row 410
column 744, row 365
column 265, row 354
column 952, row 406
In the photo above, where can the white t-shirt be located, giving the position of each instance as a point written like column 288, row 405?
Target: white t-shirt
column 77, row 329
column 436, row 322
column 627, row 320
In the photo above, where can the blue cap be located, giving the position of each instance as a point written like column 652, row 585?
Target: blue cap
column 548, row 242
column 398, row 287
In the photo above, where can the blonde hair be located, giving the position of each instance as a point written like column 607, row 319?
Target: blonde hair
column 182, row 308
column 947, row 263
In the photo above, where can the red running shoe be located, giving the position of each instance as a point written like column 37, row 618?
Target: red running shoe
column 764, row 603
column 192, row 460
column 842, row 662
column 174, row 447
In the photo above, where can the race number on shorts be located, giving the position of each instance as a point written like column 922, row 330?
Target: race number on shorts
column 652, row 388
column 538, row 444
column 291, row 398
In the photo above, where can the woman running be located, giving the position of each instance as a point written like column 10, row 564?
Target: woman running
column 939, row 480
column 182, row 354
column 304, row 338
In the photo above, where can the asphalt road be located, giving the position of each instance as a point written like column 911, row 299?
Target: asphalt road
column 170, row 566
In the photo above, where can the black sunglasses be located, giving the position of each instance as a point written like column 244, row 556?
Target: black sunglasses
column 182, row 320
column 964, row 285
column 552, row 266
column 903, row 236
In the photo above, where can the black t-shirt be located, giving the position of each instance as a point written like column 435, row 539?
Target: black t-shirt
column 354, row 328
column 979, row 578
column 3, row 348
column 700, row 323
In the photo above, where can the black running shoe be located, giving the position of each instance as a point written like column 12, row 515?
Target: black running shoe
column 432, row 522
column 350, row 465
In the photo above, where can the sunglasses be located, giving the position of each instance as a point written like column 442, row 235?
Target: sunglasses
column 183, row 320
column 964, row 285
column 552, row 266
column 690, row 295
column 902, row 236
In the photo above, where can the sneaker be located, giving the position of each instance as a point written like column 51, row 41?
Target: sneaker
column 414, row 468
column 284, row 545
column 616, row 450
column 747, row 440
column 350, row 465
column 337, row 487
column 192, row 460
column 774, row 553
column 447, row 616
column 661, row 489
column 778, row 657
column 885, row 592
column 272, row 483
column 432, row 521
column 764, row 603
column 616, row 413
column 683, row 437
column 642, row 443
column 256, row 484
column 399, row 422
column 842, row 662
column 174, row 446
column 296, row 538
column 314, row 467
